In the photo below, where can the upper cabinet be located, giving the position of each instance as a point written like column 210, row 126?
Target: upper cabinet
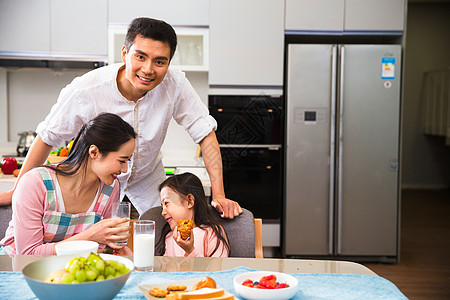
column 175, row 12
column 25, row 25
column 246, row 45
column 54, row 29
column 379, row 15
column 345, row 15
column 190, row 20
column 327, row 15
column 79, row 27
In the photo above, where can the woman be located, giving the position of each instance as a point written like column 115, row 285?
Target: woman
column 72, row 200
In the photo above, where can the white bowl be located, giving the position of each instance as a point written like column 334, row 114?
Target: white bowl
column 77, row 248
column 256, row 294
column 36, row 272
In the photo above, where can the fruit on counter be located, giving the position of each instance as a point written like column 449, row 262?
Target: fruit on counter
column 266, row 282
column 93, row 268
column 64, row 152
column 69, row 145
column 9, row 164
column 16, row 172
column 206, row 282
column 56, row 276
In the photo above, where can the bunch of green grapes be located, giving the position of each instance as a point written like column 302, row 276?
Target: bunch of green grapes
column 92, row 268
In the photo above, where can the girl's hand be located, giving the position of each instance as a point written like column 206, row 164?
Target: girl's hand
column 187, row 245
column 105, row 232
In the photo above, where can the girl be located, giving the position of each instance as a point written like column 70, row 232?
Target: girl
column 71, row 200
column 182, row 197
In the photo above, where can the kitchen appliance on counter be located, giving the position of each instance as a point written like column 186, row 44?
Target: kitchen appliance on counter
column 342, row 150
column 250, row 134
column 25, row 141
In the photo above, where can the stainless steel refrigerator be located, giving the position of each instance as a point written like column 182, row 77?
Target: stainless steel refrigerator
column 342, row 151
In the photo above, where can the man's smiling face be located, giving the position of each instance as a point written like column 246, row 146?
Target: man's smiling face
column 146, row 63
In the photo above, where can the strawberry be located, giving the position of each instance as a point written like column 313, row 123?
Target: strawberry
column 282, row 285
column 270, row 284
column 269, row 277
column 248, row 283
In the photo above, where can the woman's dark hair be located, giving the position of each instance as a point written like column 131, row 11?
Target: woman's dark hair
column 185, row 184
column 106, row 131
column 152, row 29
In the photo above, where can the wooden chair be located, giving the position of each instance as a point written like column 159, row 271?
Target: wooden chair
column 258, row 238
column 244, row 232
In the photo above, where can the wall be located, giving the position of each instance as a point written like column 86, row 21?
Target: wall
column 425, row 159
column 32, row 92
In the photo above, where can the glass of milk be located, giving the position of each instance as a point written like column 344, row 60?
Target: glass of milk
column 122, row 210
column 144, row 245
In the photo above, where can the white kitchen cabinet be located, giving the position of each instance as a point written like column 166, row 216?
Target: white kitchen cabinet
column 174, row 12
column 79, row 27
column 379, row 15
column 326, row 15
column 24, row 25
column 54, row 29
column 191, row 53
column 345, row 15
column 246, row 44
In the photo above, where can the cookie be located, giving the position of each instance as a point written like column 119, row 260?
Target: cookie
column 158, row 292
column 176, row 287
column 184, row 227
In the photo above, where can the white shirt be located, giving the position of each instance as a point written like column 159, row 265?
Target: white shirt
column 96, row 92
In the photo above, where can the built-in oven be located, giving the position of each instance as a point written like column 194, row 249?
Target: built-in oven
column 250, row 134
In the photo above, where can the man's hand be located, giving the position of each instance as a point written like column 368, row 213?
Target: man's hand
column 6, row 197
column 227, row 208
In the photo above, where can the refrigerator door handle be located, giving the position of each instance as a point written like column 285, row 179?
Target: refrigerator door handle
column 340, row 148
column 332, row 147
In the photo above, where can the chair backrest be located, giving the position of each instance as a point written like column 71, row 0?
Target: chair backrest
column 240, row 230
column 5, row 217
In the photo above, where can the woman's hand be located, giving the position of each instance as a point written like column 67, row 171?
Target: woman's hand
column 125, row 251
column 188, row 244
column 105, row 232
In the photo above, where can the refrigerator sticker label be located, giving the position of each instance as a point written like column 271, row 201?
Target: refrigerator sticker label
column 388, row 68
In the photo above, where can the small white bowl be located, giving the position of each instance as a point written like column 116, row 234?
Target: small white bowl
column 262, row 294
column 78, row 248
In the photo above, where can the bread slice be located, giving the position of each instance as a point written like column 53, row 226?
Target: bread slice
column 205, row 293
column 226, row 296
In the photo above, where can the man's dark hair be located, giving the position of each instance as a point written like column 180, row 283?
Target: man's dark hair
column 153, row 29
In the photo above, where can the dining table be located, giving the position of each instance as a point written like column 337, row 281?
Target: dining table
column 318, row 279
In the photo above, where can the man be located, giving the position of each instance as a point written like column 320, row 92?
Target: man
column 146, row 93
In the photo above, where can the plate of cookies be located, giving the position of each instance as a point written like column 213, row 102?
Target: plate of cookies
column 203, row 288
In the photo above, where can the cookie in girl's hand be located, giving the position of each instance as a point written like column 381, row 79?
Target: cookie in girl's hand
column 184, row 227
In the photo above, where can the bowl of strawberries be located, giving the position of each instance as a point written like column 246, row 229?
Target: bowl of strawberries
column 265, row 285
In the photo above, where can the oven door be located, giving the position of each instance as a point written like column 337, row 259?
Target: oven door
column 245, row 120
column 252, row 177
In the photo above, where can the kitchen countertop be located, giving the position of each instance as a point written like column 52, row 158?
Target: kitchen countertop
column 181, row 160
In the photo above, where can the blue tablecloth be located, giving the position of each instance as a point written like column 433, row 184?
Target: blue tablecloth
column 311, row 286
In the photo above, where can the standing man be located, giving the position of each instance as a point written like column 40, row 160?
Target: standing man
column 146, row 93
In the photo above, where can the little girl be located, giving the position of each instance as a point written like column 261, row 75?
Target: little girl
column 182, row 197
